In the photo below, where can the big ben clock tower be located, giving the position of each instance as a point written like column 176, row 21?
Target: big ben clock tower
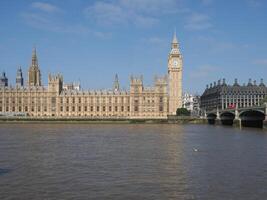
column 175, row 69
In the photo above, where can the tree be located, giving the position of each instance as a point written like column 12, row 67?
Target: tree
column 182, row 112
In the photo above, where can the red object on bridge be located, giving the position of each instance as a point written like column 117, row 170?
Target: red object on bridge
column 231, row 106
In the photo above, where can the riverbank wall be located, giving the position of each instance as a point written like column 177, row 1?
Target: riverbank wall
column 170, row 120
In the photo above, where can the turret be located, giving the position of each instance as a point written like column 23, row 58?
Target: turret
column 55, row 83
column 116, row 84
column 19, row 78
column 136, row 84
column 236, row 82
column 161, row 84
column 262, row 83
column 3, row 80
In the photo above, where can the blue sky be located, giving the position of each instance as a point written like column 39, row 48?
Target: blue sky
column 91, row 41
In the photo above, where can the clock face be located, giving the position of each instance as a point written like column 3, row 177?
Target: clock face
column 175, row 63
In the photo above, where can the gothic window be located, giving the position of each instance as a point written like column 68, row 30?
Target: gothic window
column 92, row 108
column 73, row 108
column 110, row 109
column 104, row 108
column 116, row 108
column 122, row 108
column 136, row 108
column 136, row 89
column 97, row 108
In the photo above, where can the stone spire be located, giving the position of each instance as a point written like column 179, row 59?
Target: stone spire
column 19, row 78
column 175, row 45
column 34, row 74
column 174, row 40
column 34, row 58
column 116, row 85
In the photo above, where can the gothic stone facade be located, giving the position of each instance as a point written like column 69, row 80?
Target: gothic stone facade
column 155, row 102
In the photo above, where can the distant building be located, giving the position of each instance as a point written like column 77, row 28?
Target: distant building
column 19, row 78
column 192, row 103
column 3, row 80
column 222, row 96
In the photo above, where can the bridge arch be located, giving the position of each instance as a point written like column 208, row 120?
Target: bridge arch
column 252, row 118
column 227, row 118
column 211, row 118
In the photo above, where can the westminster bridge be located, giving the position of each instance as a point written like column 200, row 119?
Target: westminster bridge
column 245, row 117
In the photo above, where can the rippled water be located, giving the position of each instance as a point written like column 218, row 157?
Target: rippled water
column 132, row 162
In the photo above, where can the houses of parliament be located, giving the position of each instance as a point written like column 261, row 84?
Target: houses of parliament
column 58, row 100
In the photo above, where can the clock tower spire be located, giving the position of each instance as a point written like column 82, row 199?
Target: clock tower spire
column 175, row 68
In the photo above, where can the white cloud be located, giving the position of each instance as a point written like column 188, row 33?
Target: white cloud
column 136, row 12
column 206, row 2
column 46, row 7
column 217, row 46
column 155, row 40
column 107, row 13
column 261, row 62
column 151, row 6
column 204, row 71
column 54, row 22
column 254, row 3
column 198, row 21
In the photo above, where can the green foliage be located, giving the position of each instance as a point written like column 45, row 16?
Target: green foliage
column 182, row 112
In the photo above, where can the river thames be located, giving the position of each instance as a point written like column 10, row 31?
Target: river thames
column 139, row 161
